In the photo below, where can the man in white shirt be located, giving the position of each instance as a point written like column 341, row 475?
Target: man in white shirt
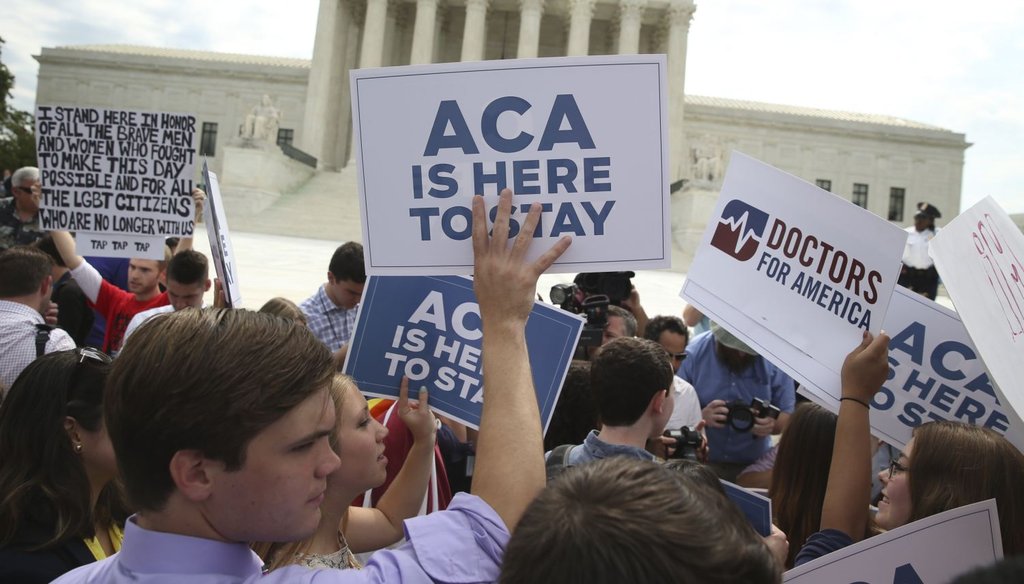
column 188, row 279
column 25, row 283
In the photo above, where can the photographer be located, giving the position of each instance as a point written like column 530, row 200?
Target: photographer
column 610, row 303
column 745, row 399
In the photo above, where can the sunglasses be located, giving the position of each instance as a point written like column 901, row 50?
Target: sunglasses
column 90, row 354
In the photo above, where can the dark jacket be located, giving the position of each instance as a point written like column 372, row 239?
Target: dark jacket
column 18, row 566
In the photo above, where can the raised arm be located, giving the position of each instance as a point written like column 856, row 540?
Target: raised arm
column 849, row 478
column 66, row 248
column 89, row 280
column 510, row 452
column 373, row 529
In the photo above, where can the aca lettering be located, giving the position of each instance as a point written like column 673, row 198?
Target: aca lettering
column 565, row 130
column 947, row 397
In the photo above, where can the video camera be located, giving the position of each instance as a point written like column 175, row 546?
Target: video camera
column 688, row 442
column 590, row 294
column 741, row 414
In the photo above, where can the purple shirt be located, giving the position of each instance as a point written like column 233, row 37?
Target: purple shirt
column 461, row 545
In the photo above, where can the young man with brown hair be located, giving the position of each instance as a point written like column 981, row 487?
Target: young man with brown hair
column 25, row 284
column 220, row 419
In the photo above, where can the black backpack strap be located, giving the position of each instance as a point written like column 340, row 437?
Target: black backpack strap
column 558, row 460
column 42, row 337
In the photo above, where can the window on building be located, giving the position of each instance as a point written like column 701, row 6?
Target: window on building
column 208, row 141
column 285, row 136
column 896, row 197
column 860, row 195
column 824, row 184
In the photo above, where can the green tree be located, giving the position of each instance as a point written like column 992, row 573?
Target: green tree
column 17, row 132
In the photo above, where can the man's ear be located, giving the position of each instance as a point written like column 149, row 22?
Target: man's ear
column 193, row 474
column 46, row 286
column 657, row 403
column 209, row 283
column 330, row 278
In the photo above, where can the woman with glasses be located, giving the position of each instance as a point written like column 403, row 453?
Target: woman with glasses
column 944, row 466
column 59, row 503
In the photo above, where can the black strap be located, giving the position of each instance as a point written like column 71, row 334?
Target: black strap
column 42, row 337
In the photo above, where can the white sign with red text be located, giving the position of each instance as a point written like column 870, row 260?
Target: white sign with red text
column 980, row 256
column 794, row 271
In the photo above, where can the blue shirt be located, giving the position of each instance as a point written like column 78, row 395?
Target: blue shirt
column 462, row 544
column 593, row 448
column 713, row 380
column 331, row 324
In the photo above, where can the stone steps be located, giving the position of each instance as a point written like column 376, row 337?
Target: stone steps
column 326, row 207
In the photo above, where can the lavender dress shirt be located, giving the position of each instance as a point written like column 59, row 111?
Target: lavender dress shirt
column 460, row 545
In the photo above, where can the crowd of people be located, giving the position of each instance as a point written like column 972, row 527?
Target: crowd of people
column 204, row 443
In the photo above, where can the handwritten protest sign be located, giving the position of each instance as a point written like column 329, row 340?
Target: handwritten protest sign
column 584, row 137
column 980, row 256
column 934, row 549
column 757, row 508
column 119, row 246
column 117, row 172
column 935, row 373
column 428, row 328
column 790, row 270
column 220, row 241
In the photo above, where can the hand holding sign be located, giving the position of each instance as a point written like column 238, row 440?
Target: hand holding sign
column 416, row 416
column 504, row 282
column 865, row 369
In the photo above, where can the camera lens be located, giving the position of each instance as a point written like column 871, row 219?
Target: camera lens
column 741, row 418
column 557, row 294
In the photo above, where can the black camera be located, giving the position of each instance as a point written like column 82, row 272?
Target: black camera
column 596, row 310
column 741, row 414
column 617, row 286
column 688, row 442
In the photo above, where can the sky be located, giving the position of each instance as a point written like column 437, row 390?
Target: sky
column 957, row 65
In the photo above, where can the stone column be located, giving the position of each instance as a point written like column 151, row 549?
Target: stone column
column 530, row 13
column 473, row 30
column 631, row 16
column 372, row 52
column 324, row 90
column 679, row 14
column 580, row 14
column 423, row 33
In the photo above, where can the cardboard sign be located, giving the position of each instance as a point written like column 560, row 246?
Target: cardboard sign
column 116, row 172
column 120, row 246
column 429, row 330
column 584, row 137
column 220, row 241
column 790, row 270
column 935, row 373
column 980, row 256
column 756, row 507
column 933, row 549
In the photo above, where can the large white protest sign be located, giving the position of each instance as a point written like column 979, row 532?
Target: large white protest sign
column 584, row 137
column 125, row 173
column 935, row 373
column 980, row 256
column 220, row 241
column 794, row 271
column 931, row 550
